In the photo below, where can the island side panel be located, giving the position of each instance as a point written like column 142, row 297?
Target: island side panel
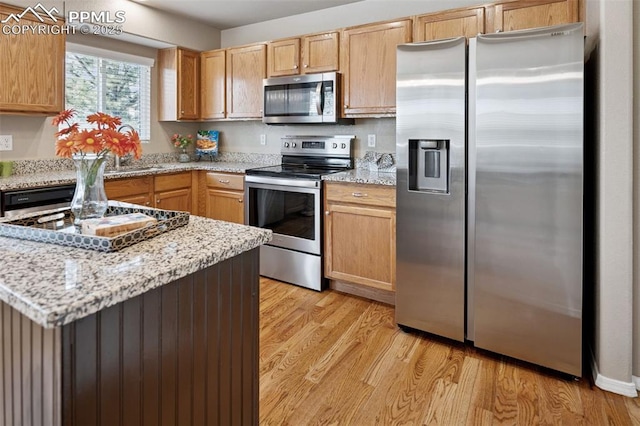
column 30, row 378
column 162, row 357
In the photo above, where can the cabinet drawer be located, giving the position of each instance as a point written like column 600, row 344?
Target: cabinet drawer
column 120, row 188
column 372, row 195
column 175, row 181
column 226, row 181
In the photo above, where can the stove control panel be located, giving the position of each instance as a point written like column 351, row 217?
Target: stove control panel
column 319, row 146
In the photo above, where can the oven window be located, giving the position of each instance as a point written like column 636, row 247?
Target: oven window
column 285, row 212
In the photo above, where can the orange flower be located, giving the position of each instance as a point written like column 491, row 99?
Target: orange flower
column 104, row 120
column 133, row 144
column 64, row 116
column 64, row 148
column 87, row 141
column 71, row 129
column 115, row 142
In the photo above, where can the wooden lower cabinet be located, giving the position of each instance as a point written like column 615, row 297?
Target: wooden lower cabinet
column 222, row 196
column 360, row 248
column 168, row 192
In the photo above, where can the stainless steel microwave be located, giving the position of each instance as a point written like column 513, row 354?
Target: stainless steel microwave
column 311, row 98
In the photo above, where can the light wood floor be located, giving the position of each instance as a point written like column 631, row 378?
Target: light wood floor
column 330, row 358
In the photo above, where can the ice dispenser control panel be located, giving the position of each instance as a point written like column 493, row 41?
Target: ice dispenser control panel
column 429, row 165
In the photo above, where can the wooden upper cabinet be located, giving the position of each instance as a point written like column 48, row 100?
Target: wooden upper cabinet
column 212, row 84
column 246, row 68
column 32, row 68
column 283, row 57
column 368, row 64
column 467, row 22
column 317, row 52
column 179, row 84
column 320, row 53
column 520, row 15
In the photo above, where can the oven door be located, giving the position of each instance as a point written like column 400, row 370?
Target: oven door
column 289, row 207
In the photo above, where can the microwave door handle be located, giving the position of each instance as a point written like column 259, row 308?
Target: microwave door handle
column 318, row 98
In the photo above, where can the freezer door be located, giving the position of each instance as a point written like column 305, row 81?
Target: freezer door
column 528, row 198
column 430, row 125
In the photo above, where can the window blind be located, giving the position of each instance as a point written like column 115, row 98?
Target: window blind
column 116, row 87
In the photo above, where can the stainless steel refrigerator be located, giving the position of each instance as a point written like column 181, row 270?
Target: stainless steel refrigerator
column 490, row 192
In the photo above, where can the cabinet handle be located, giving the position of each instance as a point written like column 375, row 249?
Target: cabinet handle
column 295, row 67
column 359, row 194
column 240, row 200
column 157, row 201
column 223, row 180
column 327, row 212
column 346, row 106
column 306, row 65
column 148, row 203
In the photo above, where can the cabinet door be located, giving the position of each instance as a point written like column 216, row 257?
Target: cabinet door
column 368, row 61
column 141, row 200
column 32, row 68
column 177, row 199
column 246, row 68
column 320, row 53
column 212, row 84
column 225, row 205
column 188, row 84
column 521, row 15
column 283, row 57
column 360, row 245
column 456, row 23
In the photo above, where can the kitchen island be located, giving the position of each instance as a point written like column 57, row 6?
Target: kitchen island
column 162, row 332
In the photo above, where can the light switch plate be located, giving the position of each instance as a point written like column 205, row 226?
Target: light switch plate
column 263, row 139
column 6, row 142
column 371, row 141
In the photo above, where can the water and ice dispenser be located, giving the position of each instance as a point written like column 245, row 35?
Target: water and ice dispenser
column 429, row 165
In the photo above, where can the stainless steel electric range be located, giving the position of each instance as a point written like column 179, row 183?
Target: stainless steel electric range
column 287, row 199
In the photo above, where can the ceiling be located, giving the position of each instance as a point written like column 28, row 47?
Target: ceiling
column 224, row 14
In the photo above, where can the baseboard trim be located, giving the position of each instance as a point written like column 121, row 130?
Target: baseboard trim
column 636, row 381
column 613, row 385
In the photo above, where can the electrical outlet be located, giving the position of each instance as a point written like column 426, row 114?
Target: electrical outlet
column 263, row 139
column 6, row 142
column 371, row 141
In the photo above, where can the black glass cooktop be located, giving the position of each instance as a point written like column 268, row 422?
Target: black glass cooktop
column 294, row 171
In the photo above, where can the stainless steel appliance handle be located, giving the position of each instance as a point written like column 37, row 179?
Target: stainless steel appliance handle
column 318, row 100
column 296, row 183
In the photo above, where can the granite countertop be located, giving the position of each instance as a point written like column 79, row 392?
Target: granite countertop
column 42, row 179
column 364, row 175
column 55, row 285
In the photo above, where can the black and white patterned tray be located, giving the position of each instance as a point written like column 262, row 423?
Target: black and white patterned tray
column 56, row 227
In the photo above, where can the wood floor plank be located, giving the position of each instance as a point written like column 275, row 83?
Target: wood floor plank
column 333, row 359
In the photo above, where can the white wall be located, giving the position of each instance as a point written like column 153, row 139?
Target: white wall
column 636, row 198
column 336, row 17
column 614, row 275
column 143, row 21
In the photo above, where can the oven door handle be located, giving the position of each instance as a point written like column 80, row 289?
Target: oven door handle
column 283, row 183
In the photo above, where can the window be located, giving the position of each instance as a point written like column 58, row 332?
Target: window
column 110, row 82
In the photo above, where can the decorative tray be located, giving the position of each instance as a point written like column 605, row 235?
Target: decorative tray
column 56, row 227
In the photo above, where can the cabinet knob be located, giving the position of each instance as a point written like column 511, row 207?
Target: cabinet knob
column 306, row 65
column 295, row 67
column 346, row 106
column 240, row 200
column 221, row 112
column 359, row 194
column 148, row 203
column 327, row 212
column 157, row 201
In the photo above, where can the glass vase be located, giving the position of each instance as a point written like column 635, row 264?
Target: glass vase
column 89, row 200
column 184, row 157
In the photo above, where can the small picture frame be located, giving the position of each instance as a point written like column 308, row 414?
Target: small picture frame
column 207, row 144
